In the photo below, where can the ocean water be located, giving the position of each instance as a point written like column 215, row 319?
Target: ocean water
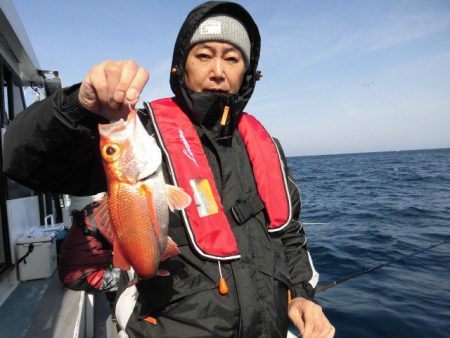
column 380, row 210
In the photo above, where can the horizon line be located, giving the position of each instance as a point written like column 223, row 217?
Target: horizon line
column 370, row 152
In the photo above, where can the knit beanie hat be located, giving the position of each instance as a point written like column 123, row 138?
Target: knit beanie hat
column 222, row 27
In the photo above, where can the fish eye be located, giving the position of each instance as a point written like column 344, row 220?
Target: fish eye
column 110, row 152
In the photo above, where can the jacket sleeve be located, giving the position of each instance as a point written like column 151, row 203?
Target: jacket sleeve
column 304, row 277
column 52, row 146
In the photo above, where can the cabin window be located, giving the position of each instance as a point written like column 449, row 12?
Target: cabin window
column 13, row 103
column 13, row 97
column 3, row 260
column 5, row 255
column 6, row 76
column 18, row 99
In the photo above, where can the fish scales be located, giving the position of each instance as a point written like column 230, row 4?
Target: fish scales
column 138, row 197
column 139, row 244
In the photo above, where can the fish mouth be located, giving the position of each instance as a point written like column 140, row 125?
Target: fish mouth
column 144, row 178
column 145, row 175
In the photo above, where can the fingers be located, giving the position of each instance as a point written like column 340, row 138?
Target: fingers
column 330, row 332
column 296, row 317
column 313, row 322
column 131, row 82
column 113, row 73
column 91, row 90
column 110, row 85
column 137, row 85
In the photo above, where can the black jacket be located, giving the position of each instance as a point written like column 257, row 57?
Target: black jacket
column 53, row 146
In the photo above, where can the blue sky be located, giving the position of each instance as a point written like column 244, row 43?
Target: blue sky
column 339, row 76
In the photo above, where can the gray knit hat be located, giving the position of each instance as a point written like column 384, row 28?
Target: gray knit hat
column 222, row 27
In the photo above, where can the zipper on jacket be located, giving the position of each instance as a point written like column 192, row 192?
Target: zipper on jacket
column 223, row 121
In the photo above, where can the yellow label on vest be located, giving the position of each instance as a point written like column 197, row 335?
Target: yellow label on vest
column 203, row 196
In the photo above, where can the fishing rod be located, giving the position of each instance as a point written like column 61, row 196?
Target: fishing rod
column 326, row 286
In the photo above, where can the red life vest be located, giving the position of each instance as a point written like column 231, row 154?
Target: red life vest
column 205, row 220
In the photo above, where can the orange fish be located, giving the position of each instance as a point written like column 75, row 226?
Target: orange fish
column 138, row 197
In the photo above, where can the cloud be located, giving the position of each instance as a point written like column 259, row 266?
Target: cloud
column 304, row 42
column 395, row 30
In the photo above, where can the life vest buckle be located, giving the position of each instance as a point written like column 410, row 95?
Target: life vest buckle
column 247, row 208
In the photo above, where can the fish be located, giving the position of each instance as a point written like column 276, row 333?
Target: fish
column 138, row 198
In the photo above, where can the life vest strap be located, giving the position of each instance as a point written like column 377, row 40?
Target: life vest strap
column 243, row 210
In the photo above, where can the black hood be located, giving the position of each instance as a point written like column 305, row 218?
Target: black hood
column 209, row 106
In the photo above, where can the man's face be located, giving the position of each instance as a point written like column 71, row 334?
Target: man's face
column 214, row 66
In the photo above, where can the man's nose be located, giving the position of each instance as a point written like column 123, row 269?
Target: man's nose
column 217, row 69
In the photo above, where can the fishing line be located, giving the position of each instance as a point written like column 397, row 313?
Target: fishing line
column 441, row 252
column 326, row 286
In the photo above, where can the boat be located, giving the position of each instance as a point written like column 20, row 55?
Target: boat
column 33, row 302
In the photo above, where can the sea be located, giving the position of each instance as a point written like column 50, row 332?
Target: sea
column 378, row 228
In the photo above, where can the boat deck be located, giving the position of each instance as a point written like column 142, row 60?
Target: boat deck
column 43, row 308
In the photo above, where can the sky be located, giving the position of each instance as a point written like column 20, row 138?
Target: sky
column 339, row 76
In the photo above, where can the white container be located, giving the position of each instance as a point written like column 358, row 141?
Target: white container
column 50, row 224
column 41, row 262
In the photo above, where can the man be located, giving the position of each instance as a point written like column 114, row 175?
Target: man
column 85, row 258
column 211, row 148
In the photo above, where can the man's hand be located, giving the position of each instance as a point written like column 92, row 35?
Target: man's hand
column 111, row 86
column 309, row 319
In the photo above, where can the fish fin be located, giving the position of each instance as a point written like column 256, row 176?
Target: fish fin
column 171, row 249
column 103, row 220
column 119, row 260
column 163, row 273
column 178, row 199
